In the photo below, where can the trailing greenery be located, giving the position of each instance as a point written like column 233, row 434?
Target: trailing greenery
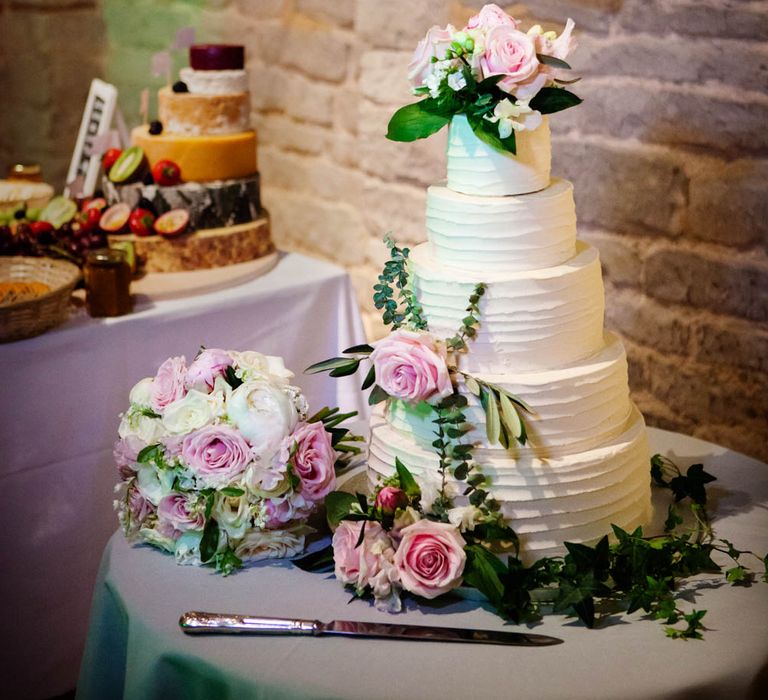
column 469, row 324
column 399, row 303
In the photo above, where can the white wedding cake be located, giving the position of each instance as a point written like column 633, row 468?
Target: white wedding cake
column 502, row 221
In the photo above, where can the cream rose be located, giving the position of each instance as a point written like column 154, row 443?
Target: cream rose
column 251, row 365
column 271, row 544
column 264, row 414
column 137, row 425
column 232, row 513
column 191, row 412
column 141, row 393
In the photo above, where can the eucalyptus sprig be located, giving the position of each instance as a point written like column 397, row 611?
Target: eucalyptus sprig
column 398, row 302
column 470, row 323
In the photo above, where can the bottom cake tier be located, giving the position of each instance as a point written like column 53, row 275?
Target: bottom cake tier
column 200, row 250
column 565, row 498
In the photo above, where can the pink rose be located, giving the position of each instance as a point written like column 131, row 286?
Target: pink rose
column 139, row 507
column 411, row 366
column 125, row 452
column 216, row 453
column 172, row 445
column 362, row 566
column 313, row 460
column 433, row 45
column 559, row 47
column 390, row 498
column 176, row 513
column 430, row 558
column 280, row 511
column 489, row 17
column 208, row 365
column 512, row 54
column 168, row 384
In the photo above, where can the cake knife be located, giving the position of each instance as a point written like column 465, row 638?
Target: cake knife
column 221, row 623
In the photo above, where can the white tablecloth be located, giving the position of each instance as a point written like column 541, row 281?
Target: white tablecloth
column 61, row 395
column 136, row 651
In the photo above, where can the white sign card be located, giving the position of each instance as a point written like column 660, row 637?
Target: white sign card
column 97, row 120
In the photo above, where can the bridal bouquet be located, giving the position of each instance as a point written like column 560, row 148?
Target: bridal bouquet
column 219, row 461
column 501, row 78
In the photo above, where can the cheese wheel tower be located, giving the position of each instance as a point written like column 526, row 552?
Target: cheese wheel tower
column 206, row 131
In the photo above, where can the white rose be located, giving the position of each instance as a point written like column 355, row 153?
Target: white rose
column 187, row 549
column 141, row 394
column 232, row 513
column 464, row 518
column 271, row 544
column 191, row 412
column 134, row 424
column 154, row 537
column 154, row 484
column 264, row 414
column 251, row 365
column 268, row 480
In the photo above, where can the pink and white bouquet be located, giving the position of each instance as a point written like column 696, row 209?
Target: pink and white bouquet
column 219, row 461
column 501, row 77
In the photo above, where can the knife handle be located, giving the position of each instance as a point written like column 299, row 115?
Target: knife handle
column 219, row 623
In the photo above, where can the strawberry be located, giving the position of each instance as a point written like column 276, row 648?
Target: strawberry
column 141, row 222
column 166, row 173
column 109, row 158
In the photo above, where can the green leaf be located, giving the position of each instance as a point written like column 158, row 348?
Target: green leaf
column 332, row 363
column 407, row 482
column 232, row 379
column 337, row 505
column 492, row 423
column 552, row 61
column 510, row 417
column 210, row 541
column 346, row 370
column 482, row 571
column 364, row 348
column 320, row 561
column 227, row 561
column 472, row 385
column 370, row 379
column 150, row 453
column 232, row 491
column 416, row 121
column 377, row 395
column 737, row 574
column 488, row 132
column 549, row 100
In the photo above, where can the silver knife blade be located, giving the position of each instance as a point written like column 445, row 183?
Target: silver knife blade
column 220, row 623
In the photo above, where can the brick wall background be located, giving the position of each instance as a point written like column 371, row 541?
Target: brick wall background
column 668, row 154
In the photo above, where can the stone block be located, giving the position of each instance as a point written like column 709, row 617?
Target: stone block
column 383, row 77
column 679, row 117
column 622, row 187
column 262, row 9
column 728, row 204
column 733, row 19
column 395, row 209
column 619, row 255
column 346, row 109
column 298, row 96
column 648, row 323
column 333, row 230
column 398, row 25
column 339, row 12
column 742, row 64
column 291, row 135
column 590, row 15
column 732, row 343
column 316, row 53
column 722, row 284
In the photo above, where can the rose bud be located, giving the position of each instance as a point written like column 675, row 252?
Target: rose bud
column 389, row 499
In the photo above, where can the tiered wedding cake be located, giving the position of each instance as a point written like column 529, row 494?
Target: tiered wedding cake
column 501, row 220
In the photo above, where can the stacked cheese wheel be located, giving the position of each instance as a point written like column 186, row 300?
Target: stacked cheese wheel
column 204, row 128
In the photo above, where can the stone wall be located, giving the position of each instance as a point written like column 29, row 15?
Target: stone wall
column 668, row 154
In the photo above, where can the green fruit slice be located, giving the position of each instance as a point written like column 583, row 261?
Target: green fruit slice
column 115, row 218
column 128, row 165
column 59, row 211
column 172, row 223
column 130, row 252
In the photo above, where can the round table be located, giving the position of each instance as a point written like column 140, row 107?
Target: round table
column 135, row 648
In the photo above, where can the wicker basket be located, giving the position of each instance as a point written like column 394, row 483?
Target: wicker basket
column 23, row 319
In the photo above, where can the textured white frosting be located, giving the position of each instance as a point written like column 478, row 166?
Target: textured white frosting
column 214, row 82
column 530, row 320
column 482, row 234
column 572, row 497
column 477, row 168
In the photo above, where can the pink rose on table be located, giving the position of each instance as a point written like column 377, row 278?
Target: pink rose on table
column 511, row 54
column 216, row 453
column 359, row 566
column 139, row 507
column 433, row 45
column 280, row 511
column 176, row 513
column 390, row 498
column 313, row 460
column 125, row 452
column 208, row 365
column 491, row 16
column 168, row 384
column 430, row 558
column 411, row 366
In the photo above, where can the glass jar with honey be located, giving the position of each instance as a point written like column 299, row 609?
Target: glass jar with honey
column 107, row 283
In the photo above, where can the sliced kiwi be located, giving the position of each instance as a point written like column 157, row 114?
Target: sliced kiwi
column 129, row 166
column 59, row 211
